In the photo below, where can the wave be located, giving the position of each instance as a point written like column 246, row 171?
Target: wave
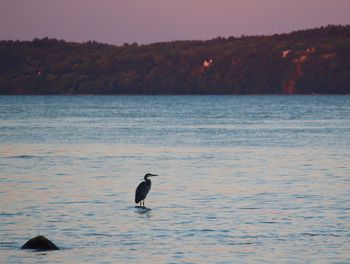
column 22, row 157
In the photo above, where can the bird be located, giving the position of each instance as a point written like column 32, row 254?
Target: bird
column 143, row 189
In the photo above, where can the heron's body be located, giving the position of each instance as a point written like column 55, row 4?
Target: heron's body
column 143, row 189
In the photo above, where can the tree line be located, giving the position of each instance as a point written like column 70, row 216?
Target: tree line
column 314, row 61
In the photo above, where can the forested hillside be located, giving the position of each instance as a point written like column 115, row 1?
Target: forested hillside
column 315, row 61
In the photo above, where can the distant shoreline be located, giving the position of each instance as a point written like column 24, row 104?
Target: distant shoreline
column 305, row 62
column 150, row 95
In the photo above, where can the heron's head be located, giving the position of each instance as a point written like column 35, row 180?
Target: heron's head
column 149, row 175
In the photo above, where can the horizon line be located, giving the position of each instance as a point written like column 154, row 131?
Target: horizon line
column 176, row 40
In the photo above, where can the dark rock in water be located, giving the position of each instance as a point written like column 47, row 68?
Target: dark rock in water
column 39, row 243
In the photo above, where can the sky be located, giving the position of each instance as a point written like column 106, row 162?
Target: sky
column 148, row 21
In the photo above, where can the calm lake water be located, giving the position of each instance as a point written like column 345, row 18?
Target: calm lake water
column 243, row 179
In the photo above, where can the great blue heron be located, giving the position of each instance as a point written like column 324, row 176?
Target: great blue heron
column 143, row 189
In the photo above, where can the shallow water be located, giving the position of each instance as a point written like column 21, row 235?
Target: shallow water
column 243, row 179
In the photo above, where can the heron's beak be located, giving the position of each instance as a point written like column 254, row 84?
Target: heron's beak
column 152, row 175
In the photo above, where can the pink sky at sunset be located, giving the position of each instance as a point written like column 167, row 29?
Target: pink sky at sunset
column 147, row 21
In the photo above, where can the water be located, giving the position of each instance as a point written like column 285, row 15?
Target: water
column 243, row 179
